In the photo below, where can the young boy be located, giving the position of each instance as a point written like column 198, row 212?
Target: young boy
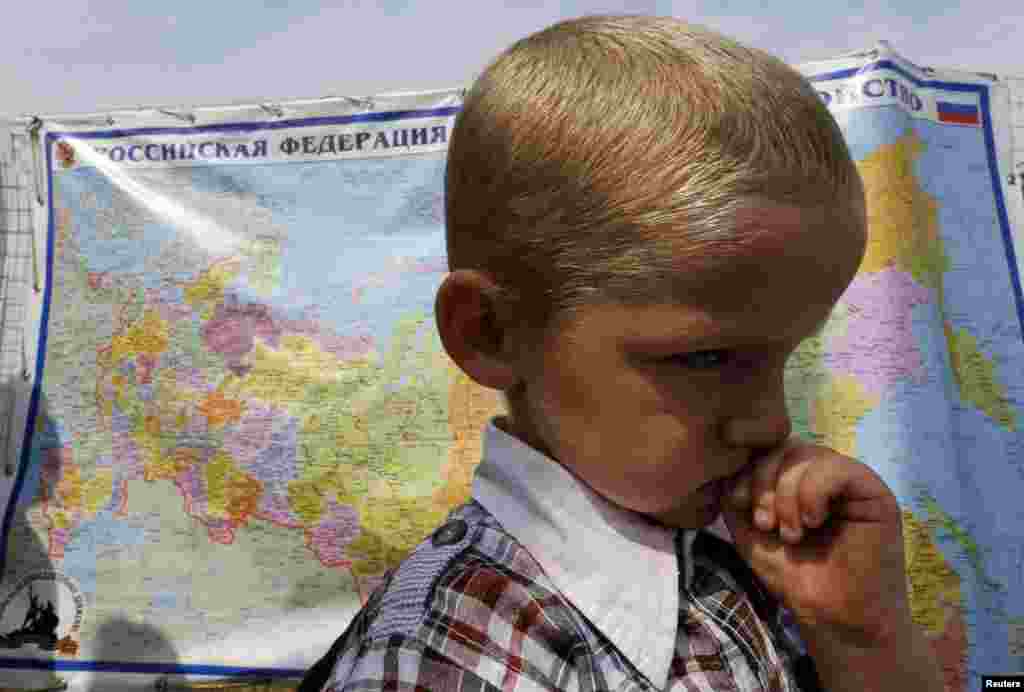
column 644, row 220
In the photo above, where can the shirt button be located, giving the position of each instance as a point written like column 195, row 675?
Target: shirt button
column 449, row 534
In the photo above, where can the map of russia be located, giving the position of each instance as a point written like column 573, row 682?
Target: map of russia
column 245, row 417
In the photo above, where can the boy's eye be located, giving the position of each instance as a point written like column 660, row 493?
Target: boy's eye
column 702, row 360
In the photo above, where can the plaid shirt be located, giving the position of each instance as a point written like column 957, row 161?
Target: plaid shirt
column 537, row 583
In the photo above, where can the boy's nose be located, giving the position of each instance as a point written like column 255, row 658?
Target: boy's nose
column 758, row 433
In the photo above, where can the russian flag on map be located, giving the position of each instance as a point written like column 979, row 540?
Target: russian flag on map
column 959, row 113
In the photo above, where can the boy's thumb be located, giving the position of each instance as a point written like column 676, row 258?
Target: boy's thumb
column 745, row 536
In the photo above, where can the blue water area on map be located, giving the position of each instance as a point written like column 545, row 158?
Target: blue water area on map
column 99, row 539
column 350, row 229
column 346, row 223
column 974, row 462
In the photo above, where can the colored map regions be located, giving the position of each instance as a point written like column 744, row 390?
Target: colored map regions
column 184, row 370
column 906, row 377
column 243, row 378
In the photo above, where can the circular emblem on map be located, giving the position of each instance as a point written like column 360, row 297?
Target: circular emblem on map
column 43, row 609
column 65, row 154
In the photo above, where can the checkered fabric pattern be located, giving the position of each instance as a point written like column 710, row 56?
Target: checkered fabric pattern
column 470, row 609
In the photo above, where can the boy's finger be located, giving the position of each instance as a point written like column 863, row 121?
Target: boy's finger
column 764, row 478
column 787, row 501
column 765, row 483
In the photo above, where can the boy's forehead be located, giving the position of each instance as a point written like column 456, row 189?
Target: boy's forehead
column 768, row 240
column 789, row 260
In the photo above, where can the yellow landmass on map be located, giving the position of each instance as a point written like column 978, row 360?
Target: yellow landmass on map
column 265, row 270
column 903, row 231
column 392, row 527
column 470, row 406
column 168, row 466
column 937, row 516
column 207, row 291
column 147, row 439
column 975, row 376
column 306, row 497
column 349, row 456
column 932, row 584
column 174, row 404
column 281, row 376
column 391, row 533
column 837, row 410
column 903, row 228
column 231, row 492
column 936, row 599
column 76, row 498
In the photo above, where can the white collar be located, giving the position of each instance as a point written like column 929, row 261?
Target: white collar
column 616, row 566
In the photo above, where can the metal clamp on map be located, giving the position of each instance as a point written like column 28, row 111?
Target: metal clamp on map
column 1012, row 178
column 33, row 133
column 273, row 109
column 190, row 117
column 366, row 102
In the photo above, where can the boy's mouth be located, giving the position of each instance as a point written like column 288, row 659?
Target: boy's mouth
column 724, row 485
column 736, row 476
column 717, row 488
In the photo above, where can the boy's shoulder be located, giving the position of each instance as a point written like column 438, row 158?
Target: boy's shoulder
column 470, row 554
column 452, row 601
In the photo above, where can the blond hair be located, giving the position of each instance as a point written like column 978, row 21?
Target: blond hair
column 585, row 152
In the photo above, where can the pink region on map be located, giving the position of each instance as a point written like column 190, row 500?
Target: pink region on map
column 100, row 280
column 145, row 365
column 58, row 541
column 192, row 378
column 124, row 449
column 233, row 327
column 57, row 462
column 190, row 484
column 251, row 435
column 263, row 444
column 119, row 503
column 197, row 427
column 342, row 347
column 107, row 390
column 55, row 459
column 170, row 303
column 275, row 507
column 338, row 527
column 232, row 330
column 222, row 532
column 879, row 347
column 119, row 493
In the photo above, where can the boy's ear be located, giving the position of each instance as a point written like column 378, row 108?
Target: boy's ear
column 471, row 331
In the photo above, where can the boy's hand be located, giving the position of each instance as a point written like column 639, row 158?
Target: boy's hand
column 844, row 576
